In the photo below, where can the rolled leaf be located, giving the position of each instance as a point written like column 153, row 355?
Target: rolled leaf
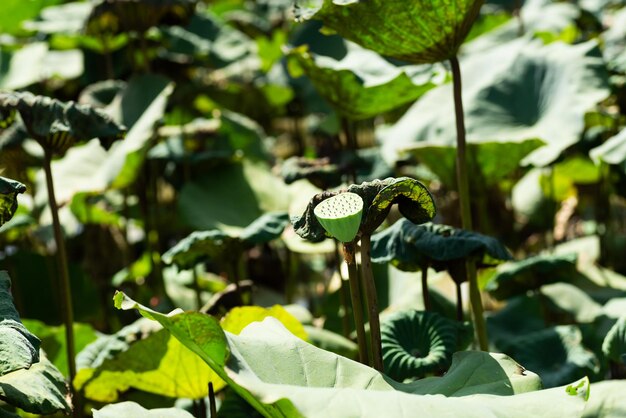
column 415, row 344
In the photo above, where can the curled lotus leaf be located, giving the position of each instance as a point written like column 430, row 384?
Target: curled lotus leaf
column 410, row 247
column 614, row 345
column 119, row 16
column 215, row 244
column 9, row 189
column 519, row 277
column 200, row 246
column 413, row 199
column 59, row 125
column 416, row 343
column 417, row 31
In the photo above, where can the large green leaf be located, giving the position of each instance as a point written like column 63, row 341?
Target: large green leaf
column 556, row 354
column 499, row 105
column 362, row 84
column 607, row 400
column 272, row 370
column 517, row 278
column 614, row 346
column 27, row 379
column 134, row 410
column 59, row 125
column 9, row 189
column 413, row 198
column 15, row 12
column 418, row 31
column 231, row 197
column 415, row 343
column 410, row 247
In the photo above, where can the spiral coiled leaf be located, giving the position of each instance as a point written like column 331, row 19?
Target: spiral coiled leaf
column 416, row 343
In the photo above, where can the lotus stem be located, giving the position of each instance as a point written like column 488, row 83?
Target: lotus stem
column 372, row 303
column 196, row 287
column 351, row 143
column 212, row 403
column 425, row 291
column 459, row 303
column 349, row 249
column 464, row 198
column 66, row 290
column 343, row 295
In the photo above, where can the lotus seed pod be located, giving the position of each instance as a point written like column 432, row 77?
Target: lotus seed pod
column 341, row 215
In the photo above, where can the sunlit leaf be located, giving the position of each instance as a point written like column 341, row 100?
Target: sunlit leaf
column 614, row 346
column 134, row 410
column 418, row 31
column 9, row 189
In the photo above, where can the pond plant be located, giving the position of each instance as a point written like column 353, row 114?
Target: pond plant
column 344, row 117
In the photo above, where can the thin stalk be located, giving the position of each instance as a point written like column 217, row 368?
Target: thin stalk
column 357, row 306
column 343, row 295
column 196, row 287
column 425, row 291
column 66, row 291
column 212, row 403
column 351, row 143
column 199, row 408
column 108, row 58
column 372, row 302
column 459, row 303
column 464, row 198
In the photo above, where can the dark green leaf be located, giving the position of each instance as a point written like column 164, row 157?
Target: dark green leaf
column 267, row 228
column 411, row 247
column 415, row 344
column 57, row 125
column 418, row 31
column 9, row 189
column 202, row 246
column 518, row 277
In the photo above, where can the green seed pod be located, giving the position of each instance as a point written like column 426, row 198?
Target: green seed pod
column 341, row 215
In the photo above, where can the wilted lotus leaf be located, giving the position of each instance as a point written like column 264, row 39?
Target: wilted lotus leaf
column 321, row 172
column 412, row 197
column 417, row 343
column 117, row 16
column 362, row 84
column 556, row 354
column 59, row 125
column 102, row 93
column 614, row 345
column 417, row 31
column 200, row 246
column 218, row 245
column 530, row 274
column 9, row 189
column 410, row 247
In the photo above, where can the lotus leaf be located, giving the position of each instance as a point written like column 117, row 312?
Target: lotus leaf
column 9, row 189
column 57, row 125
column 607, row 400
column 27, row 379
column 410, row 247
column 413, row 199
column 499, row 106
column 134, row 410
column 614, row 346
column 556, row 354
column 417, row 31
column 271, row 369
column 415, row 344
column 519, row 277
column 362, row 84
column 613, row 151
